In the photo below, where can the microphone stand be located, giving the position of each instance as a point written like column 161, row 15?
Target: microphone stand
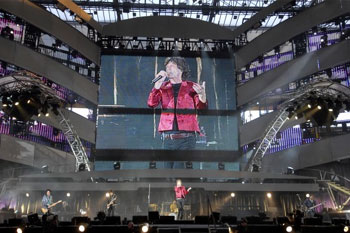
column 210, row 210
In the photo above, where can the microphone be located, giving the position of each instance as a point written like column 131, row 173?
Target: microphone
column 156, row 79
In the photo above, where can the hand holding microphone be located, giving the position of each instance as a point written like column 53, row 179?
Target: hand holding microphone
column 159, row 79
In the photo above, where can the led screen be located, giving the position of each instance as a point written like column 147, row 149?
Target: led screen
column 196, row 112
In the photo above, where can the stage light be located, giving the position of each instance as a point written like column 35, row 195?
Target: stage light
column 145, row 228
column 116, row 165
column 289, row 229
column 296, row 117
column 269, row 195
column 107, row 194
column 309, row 106
column 19, row 230
column 16, row 103
column 82, row 167
column 81, row 228
column 68, row 194
column 330, row 109
column 47, row 114
column 319, row 107
column 307, row 195
column 346, row 229
column 233, row 194
column 243, row 182
column 28, row 101
column 189, row 165
column 27, row 194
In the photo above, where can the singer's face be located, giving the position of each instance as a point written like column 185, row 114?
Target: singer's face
column 173, row 71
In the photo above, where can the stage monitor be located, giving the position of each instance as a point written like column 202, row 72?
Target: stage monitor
column 137, row 115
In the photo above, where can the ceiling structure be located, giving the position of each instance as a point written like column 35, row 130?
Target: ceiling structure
column 229, row 13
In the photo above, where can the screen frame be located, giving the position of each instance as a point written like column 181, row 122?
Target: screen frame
column 160, row 154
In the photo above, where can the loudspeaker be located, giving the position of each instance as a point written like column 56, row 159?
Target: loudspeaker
column 215, row 216
column 80, row 220
column 339, row 221
column 312, row 221
column 139, row 219
column 282, row 220
column 166, row 219
column 253, row 220
column 112, row 220
column 201, row 220
column 15, row 222
column 33, row 219
column 229, row 219
column 153, row 216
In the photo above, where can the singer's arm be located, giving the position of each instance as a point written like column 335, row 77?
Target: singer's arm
column 154, row 98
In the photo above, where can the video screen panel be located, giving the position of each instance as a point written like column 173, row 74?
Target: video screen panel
column 134, row 115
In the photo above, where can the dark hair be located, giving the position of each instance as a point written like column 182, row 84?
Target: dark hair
column 181, row 64
column 48, row 190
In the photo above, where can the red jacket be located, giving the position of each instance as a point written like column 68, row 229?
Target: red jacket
column 187, row 99
column 180, row 192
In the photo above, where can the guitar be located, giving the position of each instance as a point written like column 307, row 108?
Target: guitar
column 111, row 202
column 45, row 210
column 313, row 207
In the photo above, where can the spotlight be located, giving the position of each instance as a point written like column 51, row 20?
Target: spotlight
column 82, row 167
column 233, row 194
column 145, row 228
column 19, row 230
column 330, row 109
column 107, row 194
column 346, row 229
column 68, row 194
column 289, row 229
column 81, row 228
column 243, row 182
column 116, row 165
column 153, row 165
column 47, row 114
column 16, row 103
column 189, row 165
column 28, row 101
column 309, row 106
column 269, row 195
column 319, row 107
column 296, row 117
column 27, row 194
column 307, row 195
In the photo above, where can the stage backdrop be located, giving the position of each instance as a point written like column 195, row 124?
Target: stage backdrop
column 124, row 89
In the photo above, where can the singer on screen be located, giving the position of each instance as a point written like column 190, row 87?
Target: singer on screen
column 179, row 100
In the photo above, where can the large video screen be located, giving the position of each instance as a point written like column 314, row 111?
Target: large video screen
column 191, row 107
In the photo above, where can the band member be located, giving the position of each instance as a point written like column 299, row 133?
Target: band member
column 309, row 203
column 111, row 202
column 179, row 100
column 174, row 210
column 46, row 202
column 180, row 194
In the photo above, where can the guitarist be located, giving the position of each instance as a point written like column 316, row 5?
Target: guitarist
column 309, row 205
column 47, row 201
column 111, row 202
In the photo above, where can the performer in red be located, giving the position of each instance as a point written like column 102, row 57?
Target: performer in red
column 179, row 100
column 180, row 194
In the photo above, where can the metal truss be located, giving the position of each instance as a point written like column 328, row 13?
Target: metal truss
column 321, row 87
column 23, row 81
column 269, row 136
column 81, row 158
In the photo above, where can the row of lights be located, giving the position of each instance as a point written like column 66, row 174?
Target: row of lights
column 67, row 194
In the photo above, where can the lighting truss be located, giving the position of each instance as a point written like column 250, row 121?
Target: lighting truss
column 160, row 44
column 74, row 142
column 321, row 87
column 23, row 81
